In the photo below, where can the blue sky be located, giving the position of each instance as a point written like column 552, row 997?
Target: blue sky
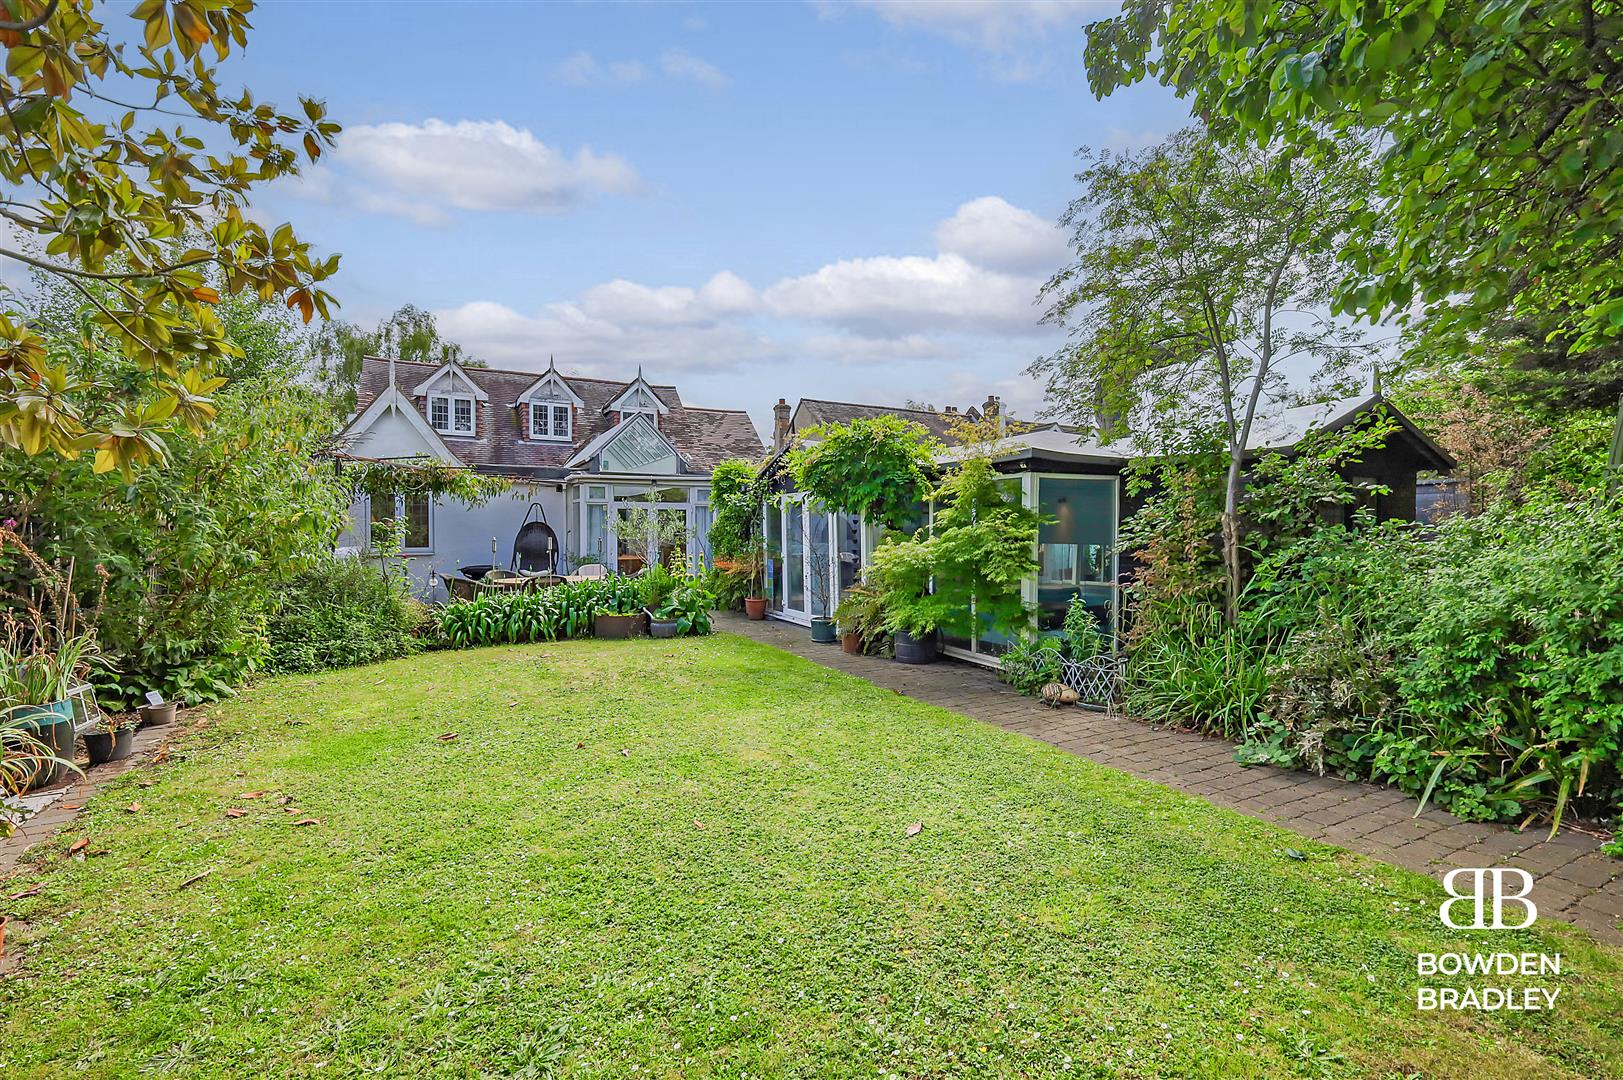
column 851, row 201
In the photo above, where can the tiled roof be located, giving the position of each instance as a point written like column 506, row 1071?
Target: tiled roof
column 812, row 412
column 702, row 436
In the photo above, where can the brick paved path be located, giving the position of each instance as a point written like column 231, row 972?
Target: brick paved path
column 1574, row 881
column 52, row 808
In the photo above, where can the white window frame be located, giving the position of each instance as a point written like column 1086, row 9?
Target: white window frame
column 549, row 433
column 450, row 427
column 399, row 513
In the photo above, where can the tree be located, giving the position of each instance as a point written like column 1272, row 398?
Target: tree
column 411, row 333
column 118, row 195
column 878, row 467
column 1201, row 271
column 1498, row 199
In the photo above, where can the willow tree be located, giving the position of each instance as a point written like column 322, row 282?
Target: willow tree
column 1202, row 272
column 107, row 190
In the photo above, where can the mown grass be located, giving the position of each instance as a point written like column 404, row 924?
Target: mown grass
column 689, row 859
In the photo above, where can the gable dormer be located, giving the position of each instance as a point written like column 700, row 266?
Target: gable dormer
column 546, row 409
column 451, row 401
column 638, row 398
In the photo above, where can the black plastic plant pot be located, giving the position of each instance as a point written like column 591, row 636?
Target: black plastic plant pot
column 104, row 746
column 661, row 628
column 912, row 650
column 822, row 631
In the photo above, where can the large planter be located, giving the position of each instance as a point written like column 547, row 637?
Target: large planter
column 660, row 628
column 755, row 607
column 52, row 726
column 105, row 746
column 155, row 715
column 616, row 626
column 912, row 650
column 822, row 631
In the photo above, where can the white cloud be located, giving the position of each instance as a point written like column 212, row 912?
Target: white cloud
column 629, row 303
column 681, row 64
column 992, row 232
column 422, row 171
column 893, row 295
column 1122, row 139
column 991, row 24
column 584, row 69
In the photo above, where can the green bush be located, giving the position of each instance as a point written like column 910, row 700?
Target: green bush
column 1479, row 666
column 340, row 613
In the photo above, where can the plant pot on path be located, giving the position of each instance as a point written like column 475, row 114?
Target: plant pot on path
column 606, row 625
column 155, row 715
column 755, row 607
column 660, row 628
column 851, row 643
column 822, row 630
column 52, row 726
column 916, row 650
column 105, row 746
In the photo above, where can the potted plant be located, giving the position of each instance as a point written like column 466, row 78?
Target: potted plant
column 902, row 574
column 157, row 713
column 618, row 612
column 688, row 611
column 860, row 619
column 754, row 564
column 38, row 670
column 112, row 739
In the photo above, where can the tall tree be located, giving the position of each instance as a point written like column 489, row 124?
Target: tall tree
column 1499, row 198
column 1201, row 270
column 411, row 333
column 106, row 188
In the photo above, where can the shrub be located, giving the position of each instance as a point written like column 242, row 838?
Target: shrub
column 340, row 613
column 565, row 611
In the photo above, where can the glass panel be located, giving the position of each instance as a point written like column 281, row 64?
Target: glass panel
column 560, row 421
column 462, row 408
column 701, row 496
column 596, row 541
column 673, row 528
column 416, row 514
column 639, row 492
column 822, row 576
column 538, row 420
column 439, row 413
column 794, row 558
column 774, row 552
column 701, row 534
column 848, row 547
column 631, row 549
column 671, row 495
column 597, row 491
column 1075, row 549
column 378, row 508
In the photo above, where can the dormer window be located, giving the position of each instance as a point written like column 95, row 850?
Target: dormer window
column 551, row 420
column 451, row 414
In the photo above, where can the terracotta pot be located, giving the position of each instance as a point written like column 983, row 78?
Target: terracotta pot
column 755, row 607
column 851, row 643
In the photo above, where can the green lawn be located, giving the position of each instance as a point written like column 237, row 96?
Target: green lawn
column 690, row 859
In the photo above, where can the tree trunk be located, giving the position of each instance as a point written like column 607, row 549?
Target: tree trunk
column 1231, row 542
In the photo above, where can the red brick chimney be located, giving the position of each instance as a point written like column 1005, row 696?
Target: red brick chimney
column 780, row 425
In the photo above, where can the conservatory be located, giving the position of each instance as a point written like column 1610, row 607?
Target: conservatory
column 815, row 555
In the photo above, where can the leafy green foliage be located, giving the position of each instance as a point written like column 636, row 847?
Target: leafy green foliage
column 340, row 613
column 180, row 568
column 878, row 467
column 1500, row 187
column 861, row 611
column 566, row 610
column 737, row 493
column 120, row 203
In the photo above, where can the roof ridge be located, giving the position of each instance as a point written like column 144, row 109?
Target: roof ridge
column 515, row 371
column 871, row 405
